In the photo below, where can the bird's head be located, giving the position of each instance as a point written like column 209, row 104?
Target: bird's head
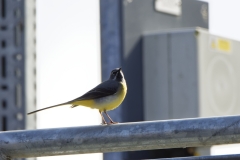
column 117, row 75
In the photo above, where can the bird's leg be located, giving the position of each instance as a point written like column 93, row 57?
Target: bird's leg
column 111, row 121
column 104, row 122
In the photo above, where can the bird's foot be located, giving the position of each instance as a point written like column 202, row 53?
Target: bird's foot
column 104, row 123
column 111, row 122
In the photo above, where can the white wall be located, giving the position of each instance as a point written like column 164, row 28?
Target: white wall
column 68, row 63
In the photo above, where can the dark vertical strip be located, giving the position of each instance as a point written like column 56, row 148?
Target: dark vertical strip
column 4, row 123
column 111, row 52
column 3, row 70
column 3, row 8
column 4, row 104
column 3, row 44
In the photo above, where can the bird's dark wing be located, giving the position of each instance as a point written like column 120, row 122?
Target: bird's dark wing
column 104, row 89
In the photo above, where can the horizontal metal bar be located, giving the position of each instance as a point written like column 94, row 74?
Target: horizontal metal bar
column 219, row 157
column 121, row 137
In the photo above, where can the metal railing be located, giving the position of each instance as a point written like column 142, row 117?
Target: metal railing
column 120, row 137
column 219, row 157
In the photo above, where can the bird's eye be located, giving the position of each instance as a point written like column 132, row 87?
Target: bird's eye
column 114, row 73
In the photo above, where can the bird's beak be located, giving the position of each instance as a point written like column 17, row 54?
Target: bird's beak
column 120, row 69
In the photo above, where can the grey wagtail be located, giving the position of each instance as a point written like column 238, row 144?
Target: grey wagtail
column 106, row 96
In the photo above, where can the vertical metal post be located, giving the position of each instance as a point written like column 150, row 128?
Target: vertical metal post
column 111, row 37
column 111, row 50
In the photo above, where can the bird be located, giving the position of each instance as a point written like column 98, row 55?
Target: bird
column 106, row 96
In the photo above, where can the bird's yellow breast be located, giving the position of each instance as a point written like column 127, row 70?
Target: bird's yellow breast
column 113, row 101
column 106, row 103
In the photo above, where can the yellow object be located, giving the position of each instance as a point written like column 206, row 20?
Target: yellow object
column 104, row 97
column 224, row 45
column 221, row 44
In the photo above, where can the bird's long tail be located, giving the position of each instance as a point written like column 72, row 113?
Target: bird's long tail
column 49, row 107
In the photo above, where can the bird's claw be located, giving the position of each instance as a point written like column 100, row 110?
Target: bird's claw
column 112, row 123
